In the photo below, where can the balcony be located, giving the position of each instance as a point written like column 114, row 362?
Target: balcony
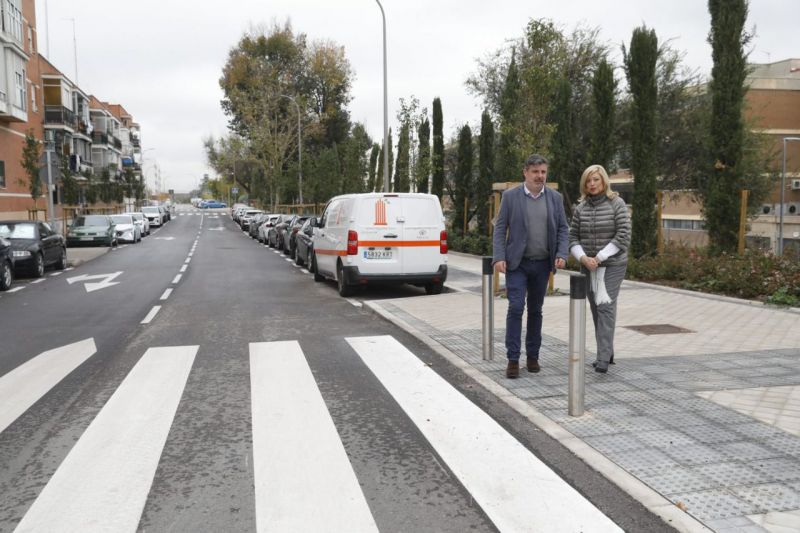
column 59, row 115
column 100, row 138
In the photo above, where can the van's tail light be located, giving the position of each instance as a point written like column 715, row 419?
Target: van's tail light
column 443, row 242
column 352, row 243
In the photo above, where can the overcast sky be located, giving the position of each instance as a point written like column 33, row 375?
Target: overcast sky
column 162, row 60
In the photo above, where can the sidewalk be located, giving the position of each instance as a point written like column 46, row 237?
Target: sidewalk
column 700, row 418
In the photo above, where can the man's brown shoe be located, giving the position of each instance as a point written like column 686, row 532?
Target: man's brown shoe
column 533, row 365
column 512, row 370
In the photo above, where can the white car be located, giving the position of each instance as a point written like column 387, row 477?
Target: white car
column 376, row 238
column 126, row 228
column 153, row 215
column 140, row 220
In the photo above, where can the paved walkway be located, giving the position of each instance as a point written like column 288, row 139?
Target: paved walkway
column 700, row 418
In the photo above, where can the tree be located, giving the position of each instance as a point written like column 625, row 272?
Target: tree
column 604, row 99
column 423, row 167
column 437, row 158
column 566, row 164
column 401, row 170
column 31, row 153
column 379, row 184
column 69, row 185
column 640, row 68
column 355, row 162
column 486, row 172
column 463, row 178
column 508, row 158
column 373, row 162
column 720, row 191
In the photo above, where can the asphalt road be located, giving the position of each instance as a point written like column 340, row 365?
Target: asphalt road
column 211, row 385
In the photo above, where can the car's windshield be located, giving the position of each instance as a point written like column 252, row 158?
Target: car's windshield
column 150, row 210
column 91, row 220
column 122, row 219
column 23, row 230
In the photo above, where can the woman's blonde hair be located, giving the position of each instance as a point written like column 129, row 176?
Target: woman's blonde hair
column 596, row 170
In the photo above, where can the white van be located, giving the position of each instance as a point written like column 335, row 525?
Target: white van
column 381, row 238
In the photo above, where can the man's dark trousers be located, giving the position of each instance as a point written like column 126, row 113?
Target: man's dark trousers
column 532, row 277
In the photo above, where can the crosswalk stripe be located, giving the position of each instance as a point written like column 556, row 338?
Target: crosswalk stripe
column 298, row 456
column 23, row 386
column 102, row 485
column 516, row 490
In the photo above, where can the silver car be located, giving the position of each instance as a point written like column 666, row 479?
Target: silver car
column 126, row 228
column 140, row 220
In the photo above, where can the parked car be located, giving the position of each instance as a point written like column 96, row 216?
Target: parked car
column 275, row 233
column 165, row 214
column 213, row 204
column 303, row 243
column 153, row 214
column 92, row 229
column 6, row 264
column 259, row 219
column 248, row 216
column 34, row 246
column 290, row 234
column 377, row 238
column 140, row 220
column 263, row 229
column 127, row 230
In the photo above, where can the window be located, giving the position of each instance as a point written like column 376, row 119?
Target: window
column 671, row 223
column 19, row 87
column 2, row 174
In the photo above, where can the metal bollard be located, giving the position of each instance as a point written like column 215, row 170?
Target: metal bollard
column 488, row 310
column 577, row 342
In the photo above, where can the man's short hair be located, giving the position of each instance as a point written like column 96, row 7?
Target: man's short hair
column 535, row 160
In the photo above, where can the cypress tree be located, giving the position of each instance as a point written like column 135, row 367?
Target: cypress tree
column 721, row 190
column 566, row 163
column 604, row 95
column 486, row 173
column 508, row 163
column 401, row 170
column 437, row 159
column 463, row 178
column 424, row 156
column 379, row 177
column 640, row 67
column 371, row 171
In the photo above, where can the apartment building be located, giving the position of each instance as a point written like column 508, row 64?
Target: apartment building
column 21, row 110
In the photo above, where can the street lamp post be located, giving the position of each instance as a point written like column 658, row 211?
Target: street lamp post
column 299, row 148
column 385, row 108
column 783, row 193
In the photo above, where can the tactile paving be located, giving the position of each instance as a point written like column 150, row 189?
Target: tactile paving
column 778, row 469
column 713, row 504
column 678, row 480
column 748, row 451
column 730, row 474
column 695, row 454
column 709, row 434
column 769, row 497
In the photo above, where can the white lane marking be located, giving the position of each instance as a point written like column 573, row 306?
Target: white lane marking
column 191, row 254
column 177, row 279
column 166, row 294
column 290, row 451
column 287, row 259
column 184, row 267
column 188, row 260
column 354, row 303
column 34, row 282
column 53, row 274
column 501, row 480
column 304, row 271
column 151, row 315
column 23, row 386
column 15, row 289
column 103, row 483
column 69, row 268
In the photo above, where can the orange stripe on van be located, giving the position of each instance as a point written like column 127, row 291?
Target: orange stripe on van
column 331, row 252
column 362, row 244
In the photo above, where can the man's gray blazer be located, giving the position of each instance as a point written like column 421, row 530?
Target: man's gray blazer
column 513, row 217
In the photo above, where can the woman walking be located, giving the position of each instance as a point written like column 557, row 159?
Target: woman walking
column 599, row 236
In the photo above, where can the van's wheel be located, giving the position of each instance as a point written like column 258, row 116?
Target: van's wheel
column 317, row 275
column 6, row 276
column 434, row 288
column 344, row 289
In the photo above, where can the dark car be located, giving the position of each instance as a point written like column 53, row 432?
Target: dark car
column 34, row 246
column 304, row 247
column 92, row 229
column 290, row 235
column 6, row 264
column 275, row 234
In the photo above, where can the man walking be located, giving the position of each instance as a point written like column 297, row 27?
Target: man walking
column 530, row 241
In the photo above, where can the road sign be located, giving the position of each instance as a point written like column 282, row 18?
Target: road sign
column 234, row 190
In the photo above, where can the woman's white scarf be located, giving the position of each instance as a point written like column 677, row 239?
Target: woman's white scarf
column 598, row 286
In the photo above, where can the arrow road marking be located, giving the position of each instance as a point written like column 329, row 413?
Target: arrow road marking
column 90, row 287
column 23, row 386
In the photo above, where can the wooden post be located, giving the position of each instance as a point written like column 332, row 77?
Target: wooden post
column 659, row 224
column 745, row 194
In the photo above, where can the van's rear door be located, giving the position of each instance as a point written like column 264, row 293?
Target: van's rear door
column 422, row 225
column 379, row 234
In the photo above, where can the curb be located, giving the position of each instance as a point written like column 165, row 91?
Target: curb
column 649, row 498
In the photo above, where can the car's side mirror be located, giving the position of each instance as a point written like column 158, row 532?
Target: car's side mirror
column 315, row 222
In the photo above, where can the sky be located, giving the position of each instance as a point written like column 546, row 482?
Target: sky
column 162, row 60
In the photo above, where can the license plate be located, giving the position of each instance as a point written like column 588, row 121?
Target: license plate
column 377, row 254
column 87, row 238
